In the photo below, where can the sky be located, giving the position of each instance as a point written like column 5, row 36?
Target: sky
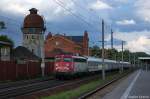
column 129, row 19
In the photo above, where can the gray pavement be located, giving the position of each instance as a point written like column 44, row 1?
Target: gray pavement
column 136, row 86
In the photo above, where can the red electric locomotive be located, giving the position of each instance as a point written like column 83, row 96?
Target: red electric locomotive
column 69, row 65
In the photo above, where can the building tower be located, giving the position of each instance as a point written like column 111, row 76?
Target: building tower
column 33, row 33
column 86, row 44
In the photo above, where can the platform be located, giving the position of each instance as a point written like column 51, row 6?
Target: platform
column 136, row 86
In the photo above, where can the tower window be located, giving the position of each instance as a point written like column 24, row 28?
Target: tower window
column 27, row 36
column 32, row 50
column 56, row 43
column 31, row 30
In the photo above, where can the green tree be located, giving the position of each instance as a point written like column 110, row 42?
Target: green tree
column 95, row 51
column 6, row 39
column 113, row 54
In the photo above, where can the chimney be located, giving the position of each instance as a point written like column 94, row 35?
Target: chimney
column 85, row 43
column 85, row 33
column 33, row 11
column 49, row 35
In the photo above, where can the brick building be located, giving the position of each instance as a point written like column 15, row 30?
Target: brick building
column 61, row 44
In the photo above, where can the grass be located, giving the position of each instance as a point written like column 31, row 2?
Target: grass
column 74, row 93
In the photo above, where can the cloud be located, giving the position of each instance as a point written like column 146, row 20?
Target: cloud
column 17, row 6
column 122, row 1
column 137, row 41
column 50, row 9
column 59, row 20
column 100, row 5
column 126, row 22
column 143, row 9
column 140, row 44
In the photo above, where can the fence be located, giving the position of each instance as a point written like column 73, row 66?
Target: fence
column 10, row 70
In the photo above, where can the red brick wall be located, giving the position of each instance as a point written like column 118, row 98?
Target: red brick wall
column 63, row 44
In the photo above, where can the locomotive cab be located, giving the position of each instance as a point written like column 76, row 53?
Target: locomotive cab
column 69, row 65
column 63, row 64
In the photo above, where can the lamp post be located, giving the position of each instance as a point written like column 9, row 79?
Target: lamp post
column 43, row 52
column 42, row 55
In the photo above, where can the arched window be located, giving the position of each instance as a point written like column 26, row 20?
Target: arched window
column 27, row 36
column 32, row 36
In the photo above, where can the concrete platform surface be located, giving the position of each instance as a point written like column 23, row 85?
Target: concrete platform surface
column 136, row 86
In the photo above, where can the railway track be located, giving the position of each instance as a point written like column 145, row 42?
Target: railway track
column 90, row 93
column 21, row 90
column 29, row 87
column 49, row 88
column 23, row 82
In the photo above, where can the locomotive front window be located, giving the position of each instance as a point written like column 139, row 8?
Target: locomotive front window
column 58, row 59
column 79, row 60
column 67, row 60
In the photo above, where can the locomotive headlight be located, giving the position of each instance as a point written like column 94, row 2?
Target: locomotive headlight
column 56, row 64
column 67, row 65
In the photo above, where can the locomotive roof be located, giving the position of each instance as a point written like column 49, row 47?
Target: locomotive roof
column 105, row 60
column 73, row 56
column 79, row 57
column 100, row 59
column 94, row 59
column 124, row 62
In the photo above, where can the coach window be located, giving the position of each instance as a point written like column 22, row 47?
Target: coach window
column 67, row 60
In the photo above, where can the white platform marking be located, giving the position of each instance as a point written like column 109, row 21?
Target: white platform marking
column 126, row 93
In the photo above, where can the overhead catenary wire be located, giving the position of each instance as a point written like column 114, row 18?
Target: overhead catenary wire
column 60, row 3
column 108, row 27
column 89, row 13
column 73, row 14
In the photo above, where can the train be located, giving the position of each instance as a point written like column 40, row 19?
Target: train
column 70, row 65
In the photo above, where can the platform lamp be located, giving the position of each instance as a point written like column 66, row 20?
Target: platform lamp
column 43, row 53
